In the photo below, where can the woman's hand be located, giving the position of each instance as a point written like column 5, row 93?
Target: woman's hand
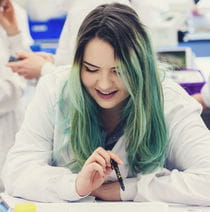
column 7, row 18
column 30, row 65
column 94, row 171
column 108, row 192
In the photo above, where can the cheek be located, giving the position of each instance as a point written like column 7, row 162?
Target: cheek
column 87, row 80
column 122, row 87
column 123, row 90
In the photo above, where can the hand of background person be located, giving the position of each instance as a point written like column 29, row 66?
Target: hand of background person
column 199, row 98
column 95, row 170
column 7, row 18
column 30, row 65
column 47, row 56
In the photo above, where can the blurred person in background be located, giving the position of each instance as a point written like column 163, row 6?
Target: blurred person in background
column 14, row 31
column 14, row 37
column 33, row 66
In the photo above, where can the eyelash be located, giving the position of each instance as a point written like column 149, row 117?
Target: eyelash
column 95, row 70
column 90, row 70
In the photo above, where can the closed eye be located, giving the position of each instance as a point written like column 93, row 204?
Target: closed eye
column 90, row 70
column 116, row 71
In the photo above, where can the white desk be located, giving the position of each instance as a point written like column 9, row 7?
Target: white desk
column 100, row 206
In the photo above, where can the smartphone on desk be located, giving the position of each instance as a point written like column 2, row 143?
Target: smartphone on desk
column 14, row 59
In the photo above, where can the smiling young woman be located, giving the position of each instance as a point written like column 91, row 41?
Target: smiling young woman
column 100, row 77
column 114, row 104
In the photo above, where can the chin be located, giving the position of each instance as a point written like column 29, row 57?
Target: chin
column 106, row 106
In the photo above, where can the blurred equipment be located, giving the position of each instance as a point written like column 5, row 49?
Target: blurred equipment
column 200, row 23
column 164, row 18
column 182, row 69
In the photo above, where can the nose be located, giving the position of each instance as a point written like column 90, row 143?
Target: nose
column 105, row 81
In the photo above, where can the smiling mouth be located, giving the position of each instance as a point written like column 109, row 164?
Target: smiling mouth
column 106, row 95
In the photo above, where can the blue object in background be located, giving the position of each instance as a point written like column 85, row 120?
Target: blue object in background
column 36, row 47
column 201, row 48
column 49, row 50
column 50, row 29
column 3, row 206
column 46, row 34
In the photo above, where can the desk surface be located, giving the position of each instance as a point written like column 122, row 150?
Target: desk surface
column 106, row 206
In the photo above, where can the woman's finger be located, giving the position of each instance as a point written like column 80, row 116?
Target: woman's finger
column 108, row 170
column 97, row 168
column 115, row 157
column 104, row 153
column 98, row 159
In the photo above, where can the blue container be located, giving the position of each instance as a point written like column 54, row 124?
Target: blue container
column 50, row 29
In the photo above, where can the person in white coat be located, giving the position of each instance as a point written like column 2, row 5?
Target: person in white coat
column 13, row 38
column 10, row 113
column 113, row 104
column 14, row 30
column 34, row 66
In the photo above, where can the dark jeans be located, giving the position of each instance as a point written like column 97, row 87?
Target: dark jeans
column 206, row 117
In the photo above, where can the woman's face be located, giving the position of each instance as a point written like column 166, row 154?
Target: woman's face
column 3, row 2
column 99, row 75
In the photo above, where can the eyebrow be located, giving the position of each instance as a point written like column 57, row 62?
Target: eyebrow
column 85, row 62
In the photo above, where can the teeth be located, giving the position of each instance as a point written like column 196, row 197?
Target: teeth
column 106, row 93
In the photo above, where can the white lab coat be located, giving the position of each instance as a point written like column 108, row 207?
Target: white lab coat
column 28, row 171
column 11, row 85
column 13, row 44
column 10, row 113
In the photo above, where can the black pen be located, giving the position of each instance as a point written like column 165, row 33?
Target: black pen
column 117, row 171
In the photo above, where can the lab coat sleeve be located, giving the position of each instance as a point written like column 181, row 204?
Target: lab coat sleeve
column 16, row 44
column 23, row 40
column 186, row 177
column 49, row 67
column 11, row 91
column 28, row 172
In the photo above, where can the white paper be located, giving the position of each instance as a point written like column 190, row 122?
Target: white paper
column 104, row 207
column 99, row 206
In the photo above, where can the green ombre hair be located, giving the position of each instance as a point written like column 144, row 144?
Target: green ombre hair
column 145, row 129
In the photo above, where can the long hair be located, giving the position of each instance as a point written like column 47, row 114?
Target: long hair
column 145, row 129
